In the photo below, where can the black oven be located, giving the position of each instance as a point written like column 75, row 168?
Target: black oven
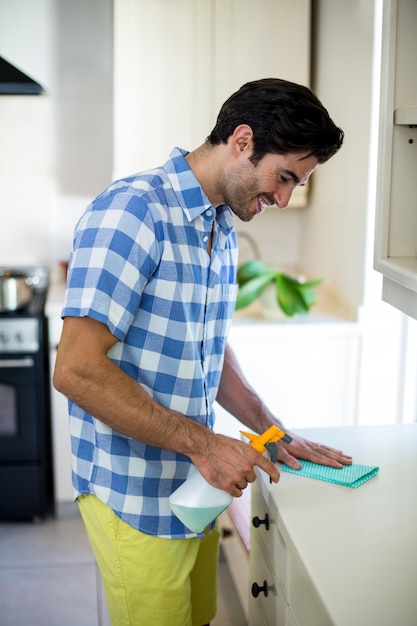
column 25, row 432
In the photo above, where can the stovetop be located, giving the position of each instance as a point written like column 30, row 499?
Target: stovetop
column 39, row 280
column 21, row 330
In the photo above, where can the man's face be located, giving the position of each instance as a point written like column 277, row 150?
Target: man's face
column 248, row 189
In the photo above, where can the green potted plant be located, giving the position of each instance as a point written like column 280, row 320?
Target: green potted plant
column 292, row 294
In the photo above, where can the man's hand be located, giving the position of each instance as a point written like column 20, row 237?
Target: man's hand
column 229, row 464
column 301, row 448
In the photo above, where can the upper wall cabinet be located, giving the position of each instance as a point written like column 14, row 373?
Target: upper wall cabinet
column 396, row 221
column 176, row 62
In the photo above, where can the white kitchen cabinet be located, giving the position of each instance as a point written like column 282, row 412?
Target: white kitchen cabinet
column 336, row 556
column 305, row 370
column 396, row 223
column 280, row 589
column 234, row 532
column 61, row 444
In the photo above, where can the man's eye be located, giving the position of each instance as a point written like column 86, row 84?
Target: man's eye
column 284, row 180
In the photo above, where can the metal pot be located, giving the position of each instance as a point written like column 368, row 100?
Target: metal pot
column 15, row 290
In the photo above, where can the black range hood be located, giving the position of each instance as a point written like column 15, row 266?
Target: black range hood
column 15, row 82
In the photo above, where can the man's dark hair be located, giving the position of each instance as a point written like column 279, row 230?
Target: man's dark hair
column 285, row 117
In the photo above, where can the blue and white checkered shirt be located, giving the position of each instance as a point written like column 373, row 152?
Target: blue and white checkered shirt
column 141, row 267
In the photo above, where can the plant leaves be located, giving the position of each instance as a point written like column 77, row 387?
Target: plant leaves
column 289, row 298
column 312, row 283
column 293, row 294
column 301, row 282
column 308, row 295
column 251, row 290
column 253, row 269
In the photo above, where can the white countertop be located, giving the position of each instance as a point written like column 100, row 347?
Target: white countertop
column 326, row 312
column 359, row 546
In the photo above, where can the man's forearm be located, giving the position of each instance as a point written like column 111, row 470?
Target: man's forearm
column 239, row 398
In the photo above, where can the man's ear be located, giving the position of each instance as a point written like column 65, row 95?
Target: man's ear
column 241, row 139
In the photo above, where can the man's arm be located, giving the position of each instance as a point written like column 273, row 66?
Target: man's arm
column 238, row 397
column 86, row 375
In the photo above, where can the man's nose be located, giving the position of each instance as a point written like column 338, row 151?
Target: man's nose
column 282, row 198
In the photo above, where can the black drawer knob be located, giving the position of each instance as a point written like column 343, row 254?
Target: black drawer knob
column 257, row 589
column 258, row 522
column 226, row 533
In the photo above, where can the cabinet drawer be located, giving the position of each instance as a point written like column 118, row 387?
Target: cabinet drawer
column 305, row 603
column 237, row 558
column 264, row 528
column 270, row 551
column 291, row 620
column 267, row 604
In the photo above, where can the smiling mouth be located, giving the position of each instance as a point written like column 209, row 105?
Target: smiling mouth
column 264, row 204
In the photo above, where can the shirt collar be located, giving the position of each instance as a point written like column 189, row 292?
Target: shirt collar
column 189, row 191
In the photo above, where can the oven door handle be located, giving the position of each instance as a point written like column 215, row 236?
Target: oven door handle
column 24, row 362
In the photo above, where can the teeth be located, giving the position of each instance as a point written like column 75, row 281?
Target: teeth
column 264, row 205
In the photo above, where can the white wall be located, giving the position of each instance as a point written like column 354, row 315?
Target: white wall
column 334, row 230
column 25, row 131
column 26, row 37
column 68, row 155
column 55, row 149
column 25, row 181
column 185, row 74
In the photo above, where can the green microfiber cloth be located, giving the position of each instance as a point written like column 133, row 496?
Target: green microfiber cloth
column 349, row 476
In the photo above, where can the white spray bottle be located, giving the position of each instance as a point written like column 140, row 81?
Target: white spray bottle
column 196, row 503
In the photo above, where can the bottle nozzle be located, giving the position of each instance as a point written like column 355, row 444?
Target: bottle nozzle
column 271, row 435
column 267, row 441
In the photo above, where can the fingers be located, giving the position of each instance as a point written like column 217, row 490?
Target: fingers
column 263, row 463
column 239, row 487
column 311, row 451
column 248, row 478
column 323, row 449
column 330, row 456
column 231, row 465
column 268, row 467
column 242, row 485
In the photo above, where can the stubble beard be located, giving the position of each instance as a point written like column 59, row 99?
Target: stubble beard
column 239, row 190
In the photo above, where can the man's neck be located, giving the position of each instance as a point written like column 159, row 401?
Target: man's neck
column 204, row 162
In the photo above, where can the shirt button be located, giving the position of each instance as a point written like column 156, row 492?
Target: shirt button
column 209, row 212
column 205, row 238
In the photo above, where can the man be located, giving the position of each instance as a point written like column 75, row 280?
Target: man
column 143, row 354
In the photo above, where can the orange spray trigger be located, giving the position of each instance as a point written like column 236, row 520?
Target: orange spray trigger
column 273, row 434
column 267, row 441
